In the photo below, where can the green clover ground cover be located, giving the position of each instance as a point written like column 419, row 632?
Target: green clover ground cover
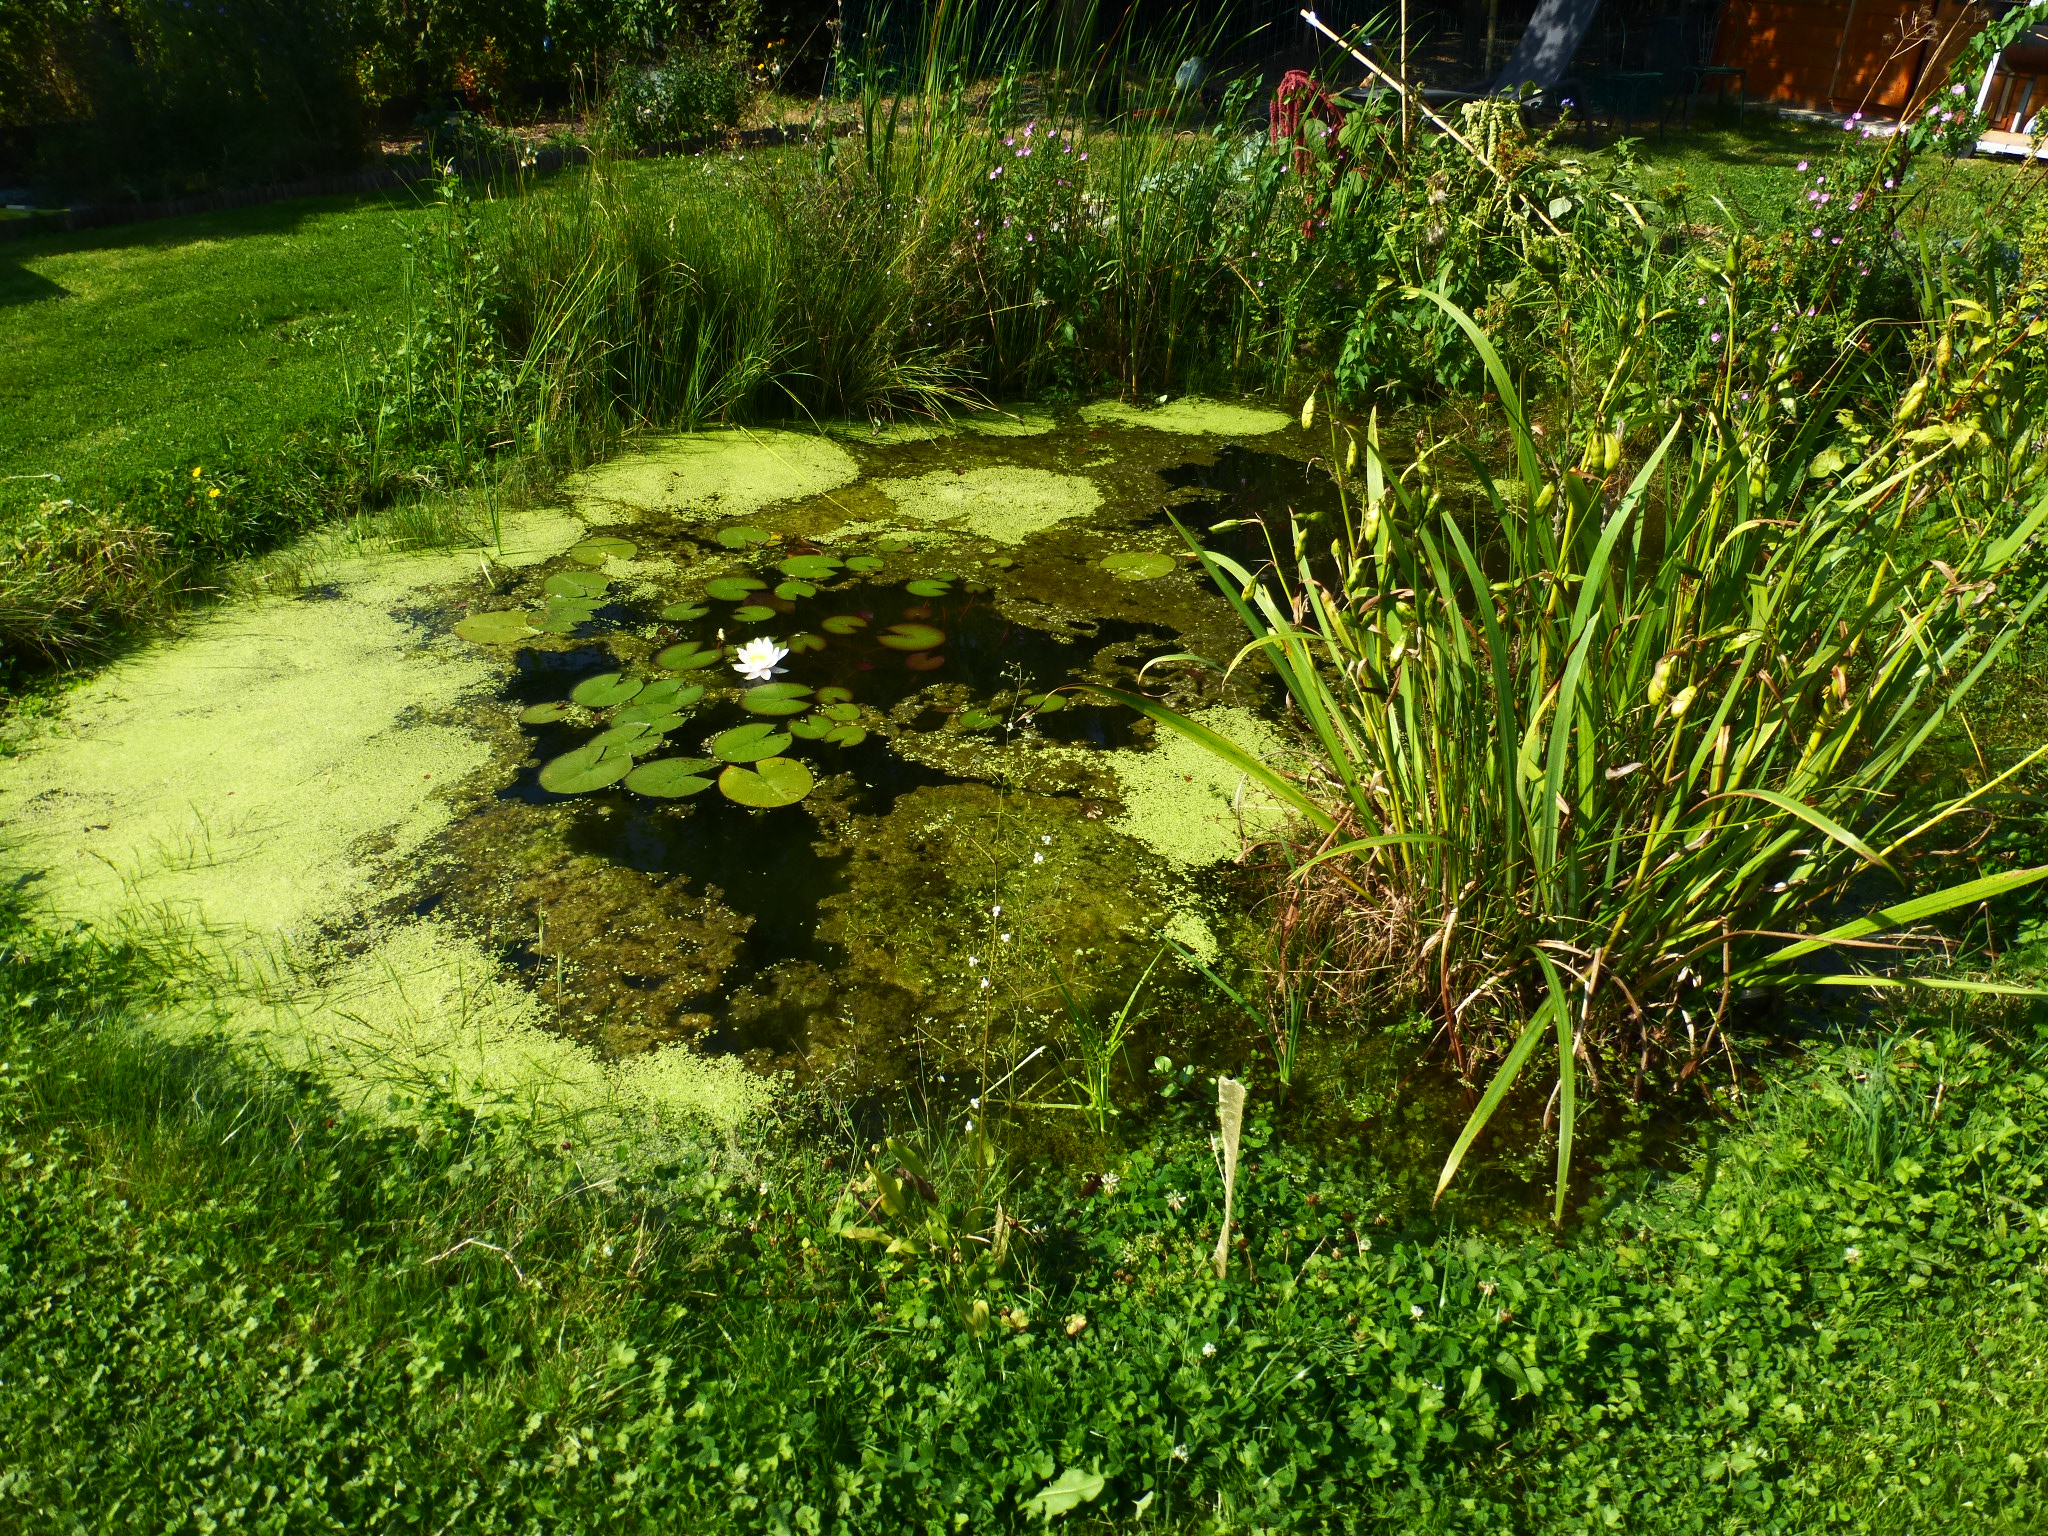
column 225, row 1303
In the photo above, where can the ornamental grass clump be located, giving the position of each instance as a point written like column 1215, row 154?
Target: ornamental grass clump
column 1607, row 755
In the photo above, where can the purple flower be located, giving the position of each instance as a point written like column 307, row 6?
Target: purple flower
column 1802, row 165
column 1716, row 337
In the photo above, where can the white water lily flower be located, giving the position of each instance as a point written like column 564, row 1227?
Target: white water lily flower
column 755, row 661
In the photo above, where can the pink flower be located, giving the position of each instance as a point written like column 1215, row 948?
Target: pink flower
column 1802, row 165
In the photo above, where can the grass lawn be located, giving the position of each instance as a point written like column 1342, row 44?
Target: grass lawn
column 1753, row 170
column 141, row 347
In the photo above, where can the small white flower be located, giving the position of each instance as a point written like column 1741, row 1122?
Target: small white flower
column 1004, row 937
column 1175, row 1200
column 1180, row 1452
column 1046, row 838
column 974, row 1103
column 1110, row 1182
column 756, row 660
column 984, row 983
column 972, row 961
column 1415, row 1311
column 1853, row 1255
column 1208, row 1350
column 996, row 910
column 1038, row 858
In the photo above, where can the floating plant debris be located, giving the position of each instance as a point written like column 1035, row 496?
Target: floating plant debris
column 670, row 778
column 604, row 547
column 1129, row 565
column 748, row 743
column 770, row 784
column 505, row 626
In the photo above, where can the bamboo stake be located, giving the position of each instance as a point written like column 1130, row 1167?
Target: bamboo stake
column 1230, row 1115
column 1423, row 107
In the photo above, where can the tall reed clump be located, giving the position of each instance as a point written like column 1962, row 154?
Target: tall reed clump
column 1595, row 758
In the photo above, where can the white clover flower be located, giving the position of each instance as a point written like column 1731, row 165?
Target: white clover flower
column 1038, row 858
column 1415, row 1311
column 1208, row 1350
column 756, row 660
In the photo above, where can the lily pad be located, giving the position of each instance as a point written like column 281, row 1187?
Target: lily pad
column 844, row 624
column 733, row 589
column 776, row 699
column 591, row 766
column 686, row 657
column 576, row 584
column 924, row 661
column 892, row 542
column 602, row 548
column 848, row 736
column 620, row 735
column 543, row 714
column 977, row 719
column 928, row 586
column 552, row 623
column 1046, row 703
column 769, row 785
column 840, row 711
column 866, row 563
column 834, row 694
column 752, row 613
column 504, row 626
column 606, row 689
column 1129, row 565
column 670, row 692
column 741, row 535
column 913, row 637
column 810, row 567
column 797, row 644
column 683, row 613
column 670, row 778
column 658, row 718
column 790, row 591
column 748, row 743
column 811, row 728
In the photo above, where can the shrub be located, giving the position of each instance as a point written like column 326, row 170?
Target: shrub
column 694, row 91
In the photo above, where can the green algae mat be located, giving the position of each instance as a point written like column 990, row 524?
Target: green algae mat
column 768, row 756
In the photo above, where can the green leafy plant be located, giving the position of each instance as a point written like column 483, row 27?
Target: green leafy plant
column 1585, row 762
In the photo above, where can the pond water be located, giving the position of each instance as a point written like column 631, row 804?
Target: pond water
column 881, row 857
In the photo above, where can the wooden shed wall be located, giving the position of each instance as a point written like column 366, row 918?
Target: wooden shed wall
column 1842, row 55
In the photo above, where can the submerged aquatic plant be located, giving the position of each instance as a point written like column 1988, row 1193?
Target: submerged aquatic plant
column 1599, row 761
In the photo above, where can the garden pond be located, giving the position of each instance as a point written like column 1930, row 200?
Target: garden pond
column 766, row 755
